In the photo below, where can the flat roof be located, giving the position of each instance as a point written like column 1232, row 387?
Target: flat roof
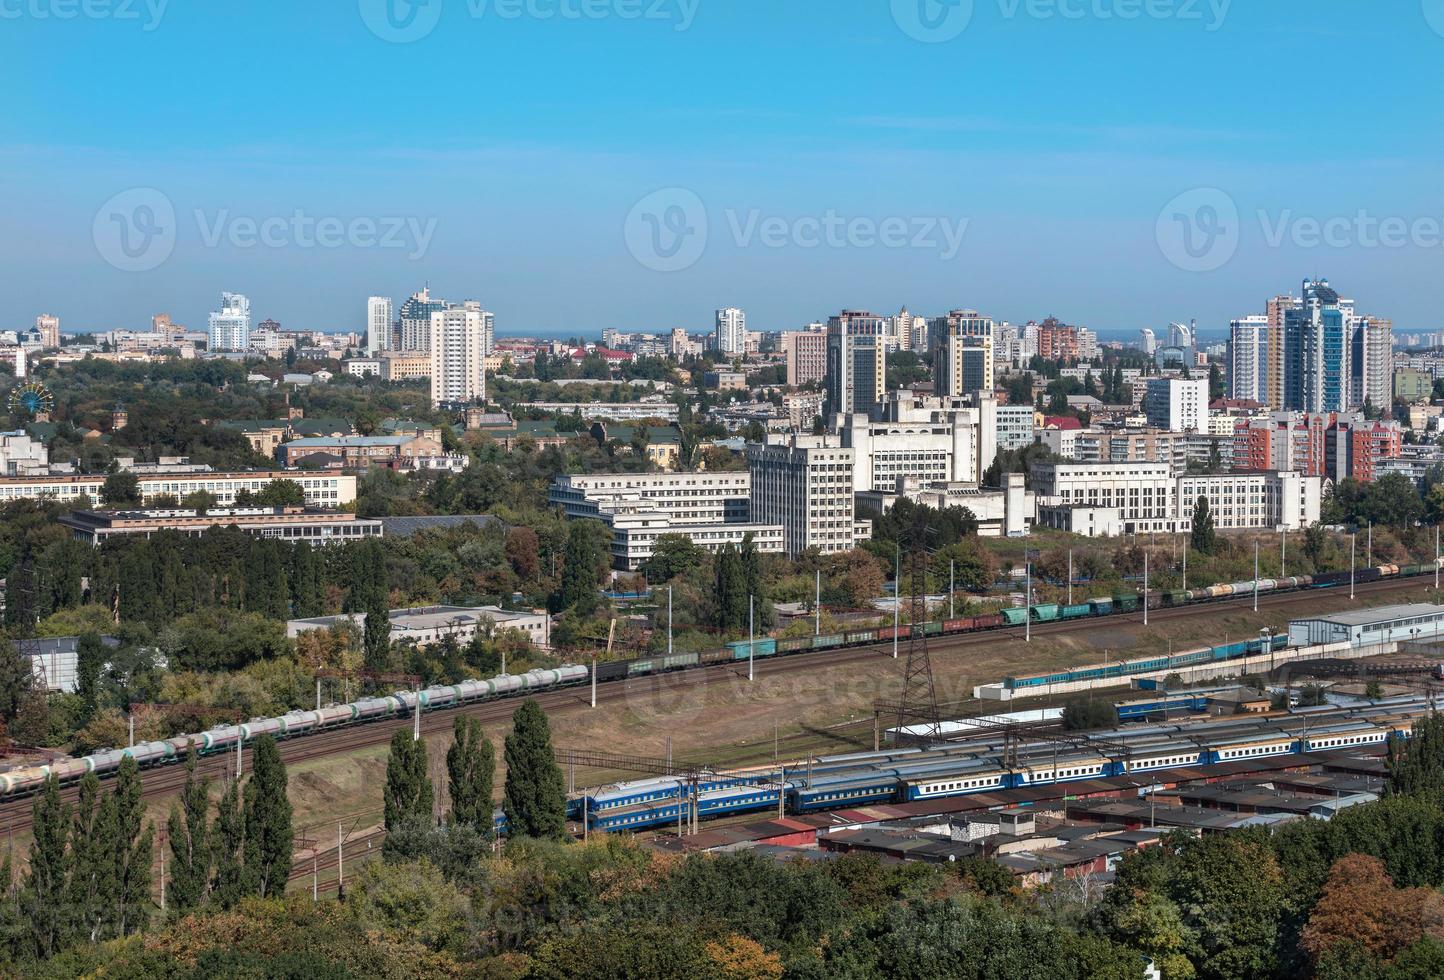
column 1380, row 614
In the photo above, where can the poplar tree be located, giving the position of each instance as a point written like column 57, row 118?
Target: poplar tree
column 89, row 659
column 471, row 770
column 228, row 841
column 190, row 840
column 268, row 839
column 43, row 899
column 1204, row 538
column 408, row 794
column 133, row 844
column 535, row 797
column 91, row 888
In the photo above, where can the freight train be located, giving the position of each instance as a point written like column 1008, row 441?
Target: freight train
column 226, row 738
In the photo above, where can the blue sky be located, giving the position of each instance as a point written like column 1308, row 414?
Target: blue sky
column 1039, row 162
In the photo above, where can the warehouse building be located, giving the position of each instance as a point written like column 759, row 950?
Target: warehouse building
column 1417, row 621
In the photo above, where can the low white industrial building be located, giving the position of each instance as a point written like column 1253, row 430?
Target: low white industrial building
column 427, row 625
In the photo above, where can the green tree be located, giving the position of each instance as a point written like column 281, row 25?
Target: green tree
column 121, row 489
column 92, row 889
column 408, row 792
column 672, row 555
column 89, row 659
column 43, row 899
column 190, row 840
column 268, row 843
column 1416, row 764
column 1204, row 538
column 134, row 841
column 281, row 493
column 470, row 770
column 731, row 590
column 583, row 565
column 535, row 796
column 1083, row 713
column 228, row 846
column 200, row 501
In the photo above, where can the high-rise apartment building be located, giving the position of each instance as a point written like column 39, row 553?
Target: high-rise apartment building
column 230, row 326
column 488, row 325
column 458, row 353
column 856, row 362
column 804, row 483
column 380, row 320
column 1317, row 347
column 952, row 335
column 415, row 320
column 1277, row 308
column 1057, row 341
column 1248, row 359
column 49, row 329
column 806, row 352
column 732, row 331
column 1372, row 362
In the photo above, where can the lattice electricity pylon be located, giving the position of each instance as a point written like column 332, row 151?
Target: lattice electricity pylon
column 918, row 703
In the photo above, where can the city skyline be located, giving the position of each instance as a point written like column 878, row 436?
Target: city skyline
column 1021, row 193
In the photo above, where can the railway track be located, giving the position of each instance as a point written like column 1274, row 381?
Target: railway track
column 15, row 815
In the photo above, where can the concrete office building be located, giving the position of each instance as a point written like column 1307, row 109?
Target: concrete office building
column 1015, row 428
column 1107, row 499
column 293, row 524
column 686, row 498
column 805, row 484
column 321, row 490
column 926, row 439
